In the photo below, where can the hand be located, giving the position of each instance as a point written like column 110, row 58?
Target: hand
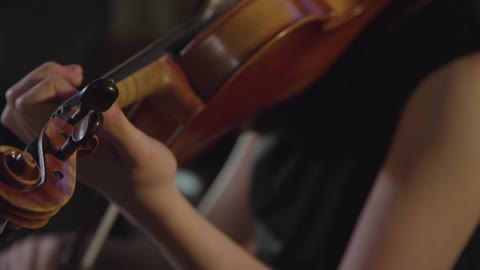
column 128, row 163
column 46, row 87
column 34, row 253
column 48, row 252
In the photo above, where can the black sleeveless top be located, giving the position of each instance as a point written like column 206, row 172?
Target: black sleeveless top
column 329, row 143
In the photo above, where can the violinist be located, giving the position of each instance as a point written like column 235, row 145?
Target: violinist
column 401, row 116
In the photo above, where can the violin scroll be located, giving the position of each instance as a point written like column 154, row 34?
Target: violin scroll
column 18, row 169
column 37, row 182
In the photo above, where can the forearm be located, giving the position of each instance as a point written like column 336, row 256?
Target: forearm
column 187, row 239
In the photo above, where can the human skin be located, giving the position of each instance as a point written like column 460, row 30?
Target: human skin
column 431, row 204
column 135, row 171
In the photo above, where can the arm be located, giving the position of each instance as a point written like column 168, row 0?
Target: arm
column 227, row 201
column 184, row 235
column 426, row 203
column 133, row 170
column 226, row 205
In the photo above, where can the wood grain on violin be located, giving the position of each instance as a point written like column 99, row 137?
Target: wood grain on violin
column 255, row 55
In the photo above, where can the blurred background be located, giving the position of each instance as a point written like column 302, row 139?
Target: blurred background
column 99, row 35
column 96, row 34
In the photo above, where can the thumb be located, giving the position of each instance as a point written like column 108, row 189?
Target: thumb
column 132, row 145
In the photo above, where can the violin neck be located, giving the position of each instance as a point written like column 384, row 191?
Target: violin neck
column 154, row 69
column 159, row 77
column 155, row 78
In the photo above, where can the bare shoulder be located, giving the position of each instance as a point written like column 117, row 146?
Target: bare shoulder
column 442, row 117
column 429, row 186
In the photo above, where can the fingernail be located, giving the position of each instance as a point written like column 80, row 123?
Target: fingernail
column 74, row 68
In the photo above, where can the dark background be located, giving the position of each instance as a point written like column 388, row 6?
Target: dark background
column 97, row 34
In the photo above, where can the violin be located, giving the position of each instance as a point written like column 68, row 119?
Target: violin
column 186, row 90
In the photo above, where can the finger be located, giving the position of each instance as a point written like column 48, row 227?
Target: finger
column 51, row 90
column 27, row 115
column 21, row 255
column 49, row 252
column 71, row 73
column 133, row 146
column 14, row 121
column 33, row 253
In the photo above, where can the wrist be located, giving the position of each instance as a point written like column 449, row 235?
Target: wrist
column 143, row 203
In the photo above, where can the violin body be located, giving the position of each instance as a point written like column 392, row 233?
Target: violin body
column 255, row 55
column 258, row 54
